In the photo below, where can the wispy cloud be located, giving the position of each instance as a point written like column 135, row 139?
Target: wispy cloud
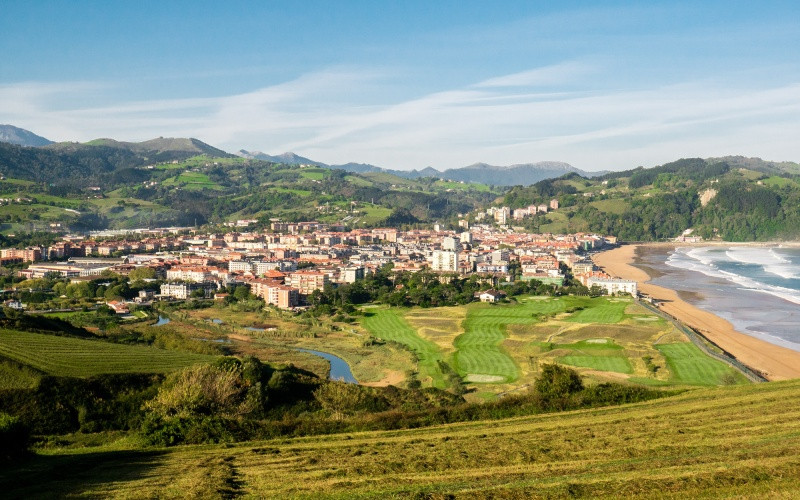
column 506, row 119
column 556, row 74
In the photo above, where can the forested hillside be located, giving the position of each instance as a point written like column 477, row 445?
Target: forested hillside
column 110, row 184
column 711, row 197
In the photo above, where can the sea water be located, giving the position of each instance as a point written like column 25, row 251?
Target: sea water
column 757, row 289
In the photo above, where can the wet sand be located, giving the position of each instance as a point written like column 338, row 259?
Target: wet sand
column 772, row 361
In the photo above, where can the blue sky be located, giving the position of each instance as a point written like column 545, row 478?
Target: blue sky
column 601, row 85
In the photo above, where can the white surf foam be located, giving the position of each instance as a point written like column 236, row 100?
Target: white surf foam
column 702, row 260
column 769, row 260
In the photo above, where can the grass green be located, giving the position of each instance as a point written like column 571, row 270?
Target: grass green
column 389, row 324
column 689, row 365
column 601, row 310
column 507, row 343
column 776, row 181
column 731, row 442
column 617, row 364
column 73, row 357
column 358, row 181
column 478, row 348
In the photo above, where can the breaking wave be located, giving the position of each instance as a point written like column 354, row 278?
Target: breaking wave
column 712, row 261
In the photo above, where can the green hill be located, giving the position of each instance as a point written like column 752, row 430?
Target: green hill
column 732, row 198
column 725, row 442
column 165, row 182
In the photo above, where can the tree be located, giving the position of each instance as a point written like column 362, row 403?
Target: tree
column 142, row 273
column 241, row 293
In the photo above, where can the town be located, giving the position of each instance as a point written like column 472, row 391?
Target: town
column 286, row 263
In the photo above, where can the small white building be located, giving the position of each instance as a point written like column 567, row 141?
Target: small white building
column 490, row 295
column 613, row 285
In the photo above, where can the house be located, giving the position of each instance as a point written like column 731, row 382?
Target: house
column 118, row 307
column 490, row 295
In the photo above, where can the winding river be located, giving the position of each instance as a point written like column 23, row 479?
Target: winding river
column 340, row 370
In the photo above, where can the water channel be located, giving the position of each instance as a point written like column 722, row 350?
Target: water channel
column 340, row 370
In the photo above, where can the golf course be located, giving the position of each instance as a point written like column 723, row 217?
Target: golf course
column 499, row 347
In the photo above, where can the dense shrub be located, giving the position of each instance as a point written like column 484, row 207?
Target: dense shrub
column 14, row 437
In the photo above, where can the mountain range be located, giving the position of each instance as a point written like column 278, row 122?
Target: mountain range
column 162, row 149
column 169, row 149
column 21, row 137
column 524, row 173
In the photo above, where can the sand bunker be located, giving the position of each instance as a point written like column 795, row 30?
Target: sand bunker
column 475, row 377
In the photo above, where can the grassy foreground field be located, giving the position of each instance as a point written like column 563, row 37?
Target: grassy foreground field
column 741, row 441
column 72, row 357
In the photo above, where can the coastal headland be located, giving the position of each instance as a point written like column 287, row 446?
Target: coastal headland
column 772, row 361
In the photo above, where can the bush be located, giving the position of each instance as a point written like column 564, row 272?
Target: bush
column 556, row 385
column 14, row 438
column 342, row 399
column 161, row 431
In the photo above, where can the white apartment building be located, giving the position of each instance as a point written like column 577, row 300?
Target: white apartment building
column 444, row 260
column 613, row 285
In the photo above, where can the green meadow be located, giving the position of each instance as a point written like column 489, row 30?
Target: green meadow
column 74, row 357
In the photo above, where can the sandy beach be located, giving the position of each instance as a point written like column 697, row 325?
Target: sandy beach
column 774, row 362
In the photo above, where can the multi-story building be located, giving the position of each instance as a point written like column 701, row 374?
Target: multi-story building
column 30, row 254
column 613, row 285
column 240, row 266
column 352, row 274
column 582, row 267
column 189, row 273
column 281, row 296
column 501, row 215
column 444, row 260
column 183, row 291
column 307, row 281
column 451, row 243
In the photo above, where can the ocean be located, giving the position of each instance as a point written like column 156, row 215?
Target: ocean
column 757, row 289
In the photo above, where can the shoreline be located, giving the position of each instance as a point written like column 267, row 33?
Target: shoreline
column 772, row 361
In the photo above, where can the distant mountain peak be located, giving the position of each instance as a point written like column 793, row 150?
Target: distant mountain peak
column 287, row 158
column 21, row 137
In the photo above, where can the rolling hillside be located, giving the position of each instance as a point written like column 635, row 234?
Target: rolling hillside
column 725, row 442
column 715, row 199
column 167, row 182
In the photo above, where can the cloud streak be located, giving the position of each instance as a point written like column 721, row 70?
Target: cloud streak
column 513, row 118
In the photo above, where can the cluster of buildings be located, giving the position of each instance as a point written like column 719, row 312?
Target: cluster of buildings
column 285, row 265
column 504, row 215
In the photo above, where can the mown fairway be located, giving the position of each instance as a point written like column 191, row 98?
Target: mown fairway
column 603, row 363
column 389, row 324
column 741, row 442
column 72, row 357
column 479, row 356
column 689, row 365
column 504, row 345
column 604, row 311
